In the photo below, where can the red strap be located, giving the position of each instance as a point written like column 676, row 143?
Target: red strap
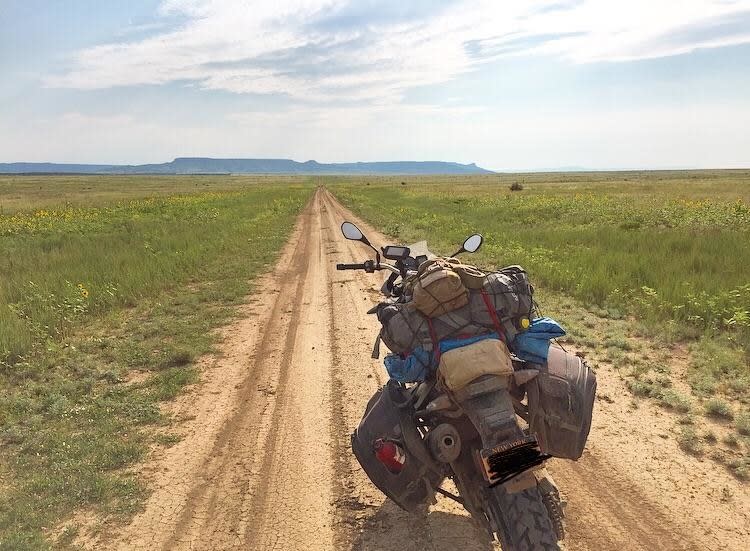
column 435, row 343
column 493, row 315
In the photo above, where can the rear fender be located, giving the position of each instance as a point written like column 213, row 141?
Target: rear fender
column 506, row 454
column 488, row 404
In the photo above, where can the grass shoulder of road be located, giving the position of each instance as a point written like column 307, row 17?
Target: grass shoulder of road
column 103, row 311
column 647, row 271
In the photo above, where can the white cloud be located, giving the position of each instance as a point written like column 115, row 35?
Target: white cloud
column 374, row 51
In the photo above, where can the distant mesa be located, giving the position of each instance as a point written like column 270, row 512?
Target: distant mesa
column 199, row 165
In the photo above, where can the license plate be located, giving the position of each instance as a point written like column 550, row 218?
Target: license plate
column 508, row 459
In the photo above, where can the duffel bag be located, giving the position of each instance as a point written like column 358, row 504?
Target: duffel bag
column 404, row 328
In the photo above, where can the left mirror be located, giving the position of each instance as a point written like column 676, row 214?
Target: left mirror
column 351, row 231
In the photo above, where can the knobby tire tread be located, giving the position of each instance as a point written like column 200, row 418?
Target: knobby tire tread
column 525, row 521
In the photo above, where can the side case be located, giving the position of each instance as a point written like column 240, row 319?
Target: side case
column 561, row 404
column 389, row 415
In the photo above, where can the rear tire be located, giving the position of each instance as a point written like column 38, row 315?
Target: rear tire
column 522, row 520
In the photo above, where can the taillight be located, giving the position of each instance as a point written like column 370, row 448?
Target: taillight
column 390, row 455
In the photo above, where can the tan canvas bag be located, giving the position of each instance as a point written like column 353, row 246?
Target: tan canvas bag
column 472, row 277
column 460, row 366
column 438, row 289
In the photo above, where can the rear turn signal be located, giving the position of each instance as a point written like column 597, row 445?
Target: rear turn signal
column 390, row 455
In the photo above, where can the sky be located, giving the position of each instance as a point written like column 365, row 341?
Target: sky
column 532, row 85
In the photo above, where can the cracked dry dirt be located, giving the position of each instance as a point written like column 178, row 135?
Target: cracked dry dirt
column 265, row 463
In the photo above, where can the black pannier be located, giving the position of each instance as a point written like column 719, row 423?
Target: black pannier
column 561, row 404
column 389, row 416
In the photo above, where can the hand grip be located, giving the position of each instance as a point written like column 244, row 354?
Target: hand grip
column 350, row 266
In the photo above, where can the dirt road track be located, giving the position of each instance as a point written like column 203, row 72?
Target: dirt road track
column 265, row 462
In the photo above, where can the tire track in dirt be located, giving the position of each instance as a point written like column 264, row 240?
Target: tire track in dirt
column 219, row 511
column 615, row 512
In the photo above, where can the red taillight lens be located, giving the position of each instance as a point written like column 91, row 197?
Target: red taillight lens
column 390, row 455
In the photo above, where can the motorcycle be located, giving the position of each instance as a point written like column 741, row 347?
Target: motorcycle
column 485, row 437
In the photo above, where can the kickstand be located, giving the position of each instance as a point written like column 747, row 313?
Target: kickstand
column 450, row 495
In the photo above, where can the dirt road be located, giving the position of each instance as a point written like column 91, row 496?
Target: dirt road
column 265, row 462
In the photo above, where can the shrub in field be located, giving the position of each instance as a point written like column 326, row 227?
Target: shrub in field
column 740, row 467
column 731, row 440
column 674, row 400
column 716, row 407
column 742, row 423
column 689, row 441
column 658, row 389
column 516, row 186
column 717, row 362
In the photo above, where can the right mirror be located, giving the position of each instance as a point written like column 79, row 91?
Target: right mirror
column 472, row 243
column 351, row 231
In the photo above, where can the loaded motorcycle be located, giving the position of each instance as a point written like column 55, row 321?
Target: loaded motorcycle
column 489, row 426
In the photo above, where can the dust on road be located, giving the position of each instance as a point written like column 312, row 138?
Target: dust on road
column 265, row 461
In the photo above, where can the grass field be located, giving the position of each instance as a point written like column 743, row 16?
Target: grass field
column 104, row 305
column 31, row 193
column 111, row 286
column 659, row 258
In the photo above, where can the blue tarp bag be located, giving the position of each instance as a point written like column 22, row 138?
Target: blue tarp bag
column 533, row 344
column 450, row 344
column 413, row 368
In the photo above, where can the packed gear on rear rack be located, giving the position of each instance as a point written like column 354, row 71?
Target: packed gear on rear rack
column 448, row 305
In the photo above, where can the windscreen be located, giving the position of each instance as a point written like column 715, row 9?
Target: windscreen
column 420, row 249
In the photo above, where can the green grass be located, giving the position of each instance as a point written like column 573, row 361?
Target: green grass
column 103, row 309
column 69, row 263
column 658, row 390
column 30, row 192
column 719, row 365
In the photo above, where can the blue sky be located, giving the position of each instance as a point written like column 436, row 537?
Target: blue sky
column 539, row 84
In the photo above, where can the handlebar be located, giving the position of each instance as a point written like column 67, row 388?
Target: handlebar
column 369, row 267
